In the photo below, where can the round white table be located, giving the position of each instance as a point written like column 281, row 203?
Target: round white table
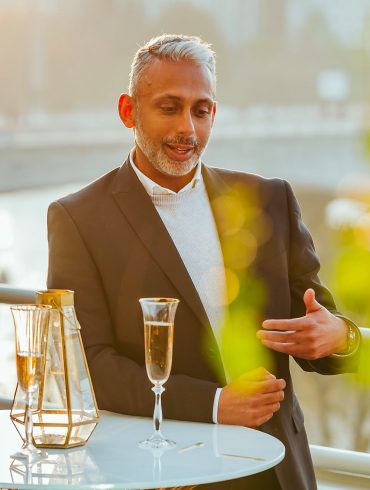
column 111, row 459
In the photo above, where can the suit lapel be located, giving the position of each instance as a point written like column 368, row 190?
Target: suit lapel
column 229, row 207
column 137, row 207
column 216, row 188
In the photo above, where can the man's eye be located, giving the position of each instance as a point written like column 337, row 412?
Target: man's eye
column 203, row 112
column 168, row 109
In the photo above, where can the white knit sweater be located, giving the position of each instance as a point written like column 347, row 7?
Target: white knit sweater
column 189, row 220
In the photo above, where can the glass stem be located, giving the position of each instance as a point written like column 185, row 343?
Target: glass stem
column 157, row 467
column 29, row 422
column 29, row 473
column 157, row 415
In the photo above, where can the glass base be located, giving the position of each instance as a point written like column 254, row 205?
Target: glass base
column 30, row 454
column 156, row 442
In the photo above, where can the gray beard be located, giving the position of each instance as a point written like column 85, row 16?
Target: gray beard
column 160, row 161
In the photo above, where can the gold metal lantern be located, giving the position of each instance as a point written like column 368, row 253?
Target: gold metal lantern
column 65, row 412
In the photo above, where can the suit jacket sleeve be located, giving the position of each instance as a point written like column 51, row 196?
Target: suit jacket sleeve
column 304, row 267
column 120, row 384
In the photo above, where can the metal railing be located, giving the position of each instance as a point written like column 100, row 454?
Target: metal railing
column 327, row 461
column 340, row 460
column 11, row 295
column 339, row 469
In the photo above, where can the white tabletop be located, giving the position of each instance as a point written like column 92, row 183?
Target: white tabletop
column 112, row 459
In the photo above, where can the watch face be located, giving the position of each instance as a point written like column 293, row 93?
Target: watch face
column 352, row 339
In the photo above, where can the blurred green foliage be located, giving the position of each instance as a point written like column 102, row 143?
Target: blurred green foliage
column 351, row 278
column 366, row 143
column 243, row 228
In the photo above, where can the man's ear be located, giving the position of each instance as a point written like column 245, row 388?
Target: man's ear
column 126, row 110
column 214, row 110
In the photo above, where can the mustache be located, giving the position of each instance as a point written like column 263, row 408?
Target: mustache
column 182, row 140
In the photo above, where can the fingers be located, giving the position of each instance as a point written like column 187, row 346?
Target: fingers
column 296, row 323
column 310, row 301
column 267, row 402
column 271, row 398
column 289, row 342
column 301, row 349
column 262, row 420
column 287, row 324
column 247, row 382
column 248, row 408
column 311, row 337
column 290, row 336
column 263, row 413
column 257, row 374
column 271, row 385
column 245, row 387
column 290, row 348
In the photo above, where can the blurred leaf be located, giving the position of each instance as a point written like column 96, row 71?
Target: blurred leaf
column 241, row 351
column 362, row 377
column 352, row 280
column 366, row 144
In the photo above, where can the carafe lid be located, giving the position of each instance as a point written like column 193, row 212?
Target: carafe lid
column 55, row 297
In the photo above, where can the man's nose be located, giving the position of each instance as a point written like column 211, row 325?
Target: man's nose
column 185, row 123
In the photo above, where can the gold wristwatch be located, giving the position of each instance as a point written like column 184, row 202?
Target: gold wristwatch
column 353, row 338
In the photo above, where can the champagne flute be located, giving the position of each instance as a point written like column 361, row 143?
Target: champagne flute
column 159, row 315
column 30, row 323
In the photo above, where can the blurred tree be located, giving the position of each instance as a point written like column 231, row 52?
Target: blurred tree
column 14, row 53
column 90, row 70
column 358, row 63
column 271, row 70
column 87, row 48
column 316, row 35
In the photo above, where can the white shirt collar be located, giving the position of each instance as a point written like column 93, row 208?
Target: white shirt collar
column 152, row 187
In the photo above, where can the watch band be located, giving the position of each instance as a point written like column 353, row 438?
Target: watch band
column 353, row 338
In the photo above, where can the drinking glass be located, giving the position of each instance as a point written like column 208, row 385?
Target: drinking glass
column 159, row 316
column 30, row 323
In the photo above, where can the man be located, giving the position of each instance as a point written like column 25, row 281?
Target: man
column 165, row 224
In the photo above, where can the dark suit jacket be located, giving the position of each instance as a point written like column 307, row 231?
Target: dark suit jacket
column 108, row 244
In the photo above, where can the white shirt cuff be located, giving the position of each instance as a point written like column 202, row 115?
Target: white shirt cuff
column 215, row 405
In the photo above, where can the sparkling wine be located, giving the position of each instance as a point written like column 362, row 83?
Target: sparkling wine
column 158, row 350
column 29, row 368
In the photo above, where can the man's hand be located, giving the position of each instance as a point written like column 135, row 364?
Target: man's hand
column 317, row 334
column 251, row 400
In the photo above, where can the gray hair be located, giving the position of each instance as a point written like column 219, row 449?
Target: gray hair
column 173, row 47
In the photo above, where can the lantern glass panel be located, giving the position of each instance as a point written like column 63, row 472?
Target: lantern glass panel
column 65, row 411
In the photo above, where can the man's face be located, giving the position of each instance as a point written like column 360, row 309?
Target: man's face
column 174, row 109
